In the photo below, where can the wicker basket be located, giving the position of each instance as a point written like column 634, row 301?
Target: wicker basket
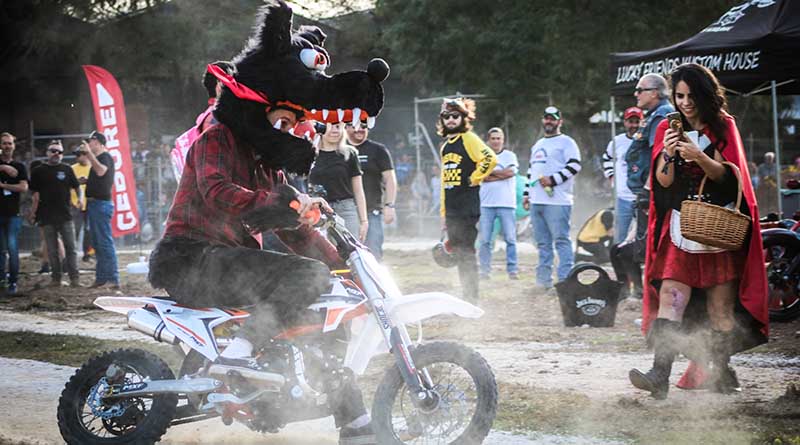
column 714, row 225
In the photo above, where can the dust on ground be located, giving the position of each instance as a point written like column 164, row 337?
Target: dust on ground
column 554, row 382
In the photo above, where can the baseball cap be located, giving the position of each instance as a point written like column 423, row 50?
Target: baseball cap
column 633, row 112
column 552, row 112
column 101, row 138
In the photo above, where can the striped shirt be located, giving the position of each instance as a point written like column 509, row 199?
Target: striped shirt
column 558, row 158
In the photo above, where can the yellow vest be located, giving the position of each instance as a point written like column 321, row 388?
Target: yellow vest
column 594, row 229
column 81, row 171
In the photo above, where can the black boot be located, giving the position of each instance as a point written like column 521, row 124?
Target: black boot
column 723, row 377
column 664, row 334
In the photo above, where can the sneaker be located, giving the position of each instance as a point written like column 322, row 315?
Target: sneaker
column 11, row 289
column 55, row 283
column 513, row 276
column 44, row 269
column 98, row 284
column 74, row 282
column 357, row 436
column 115, row 286
column 542, row 289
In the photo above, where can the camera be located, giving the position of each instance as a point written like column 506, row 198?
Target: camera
column 320, row 127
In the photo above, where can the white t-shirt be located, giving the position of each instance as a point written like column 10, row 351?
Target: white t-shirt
column 623, row 142
column 502, row 193
column 559, row 157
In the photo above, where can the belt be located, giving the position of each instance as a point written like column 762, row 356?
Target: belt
column 98, row 199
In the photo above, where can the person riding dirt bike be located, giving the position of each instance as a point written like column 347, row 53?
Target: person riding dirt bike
column 207, row 256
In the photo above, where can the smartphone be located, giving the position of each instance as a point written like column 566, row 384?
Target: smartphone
column 675, row 121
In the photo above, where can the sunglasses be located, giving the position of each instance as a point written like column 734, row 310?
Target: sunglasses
column 638, row 90
column 55, row 150
column 452, row 115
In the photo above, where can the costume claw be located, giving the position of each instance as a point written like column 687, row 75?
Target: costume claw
column 325, row 114
column 340, row 114
column 370, row 122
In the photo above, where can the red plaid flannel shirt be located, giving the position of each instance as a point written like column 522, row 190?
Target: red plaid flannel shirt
column 221, row 181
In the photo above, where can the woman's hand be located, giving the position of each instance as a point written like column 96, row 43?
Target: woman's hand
column 689, row 150
column 308, row 203
column 363, row 227
column 671, row 139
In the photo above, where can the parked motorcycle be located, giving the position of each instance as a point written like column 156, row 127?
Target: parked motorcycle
column 440, row 392
column 782, row 256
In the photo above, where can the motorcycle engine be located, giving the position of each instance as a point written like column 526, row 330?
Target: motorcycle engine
column 313, row 368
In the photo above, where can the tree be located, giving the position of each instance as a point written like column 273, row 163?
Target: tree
column 521, row 51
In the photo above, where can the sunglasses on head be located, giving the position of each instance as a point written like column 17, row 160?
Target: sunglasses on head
column 449, row 115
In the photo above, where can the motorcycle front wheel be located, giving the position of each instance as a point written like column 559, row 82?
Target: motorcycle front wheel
column 84, row 417
column 467, row 399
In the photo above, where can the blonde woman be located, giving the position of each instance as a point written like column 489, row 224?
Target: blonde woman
column 337, row 169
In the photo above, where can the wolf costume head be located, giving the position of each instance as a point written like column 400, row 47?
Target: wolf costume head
column 281, row 69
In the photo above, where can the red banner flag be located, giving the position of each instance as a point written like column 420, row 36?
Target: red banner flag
column 109, row 112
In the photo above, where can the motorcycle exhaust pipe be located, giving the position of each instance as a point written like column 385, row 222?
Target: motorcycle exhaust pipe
column 266, row 380
column 182, row 386
column 151, row 324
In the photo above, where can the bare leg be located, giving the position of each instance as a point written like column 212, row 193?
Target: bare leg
column 673, row 298
column 720, row 301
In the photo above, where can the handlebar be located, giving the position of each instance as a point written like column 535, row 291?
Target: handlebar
column 313, row 215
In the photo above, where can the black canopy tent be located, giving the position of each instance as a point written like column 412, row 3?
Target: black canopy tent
column 752, row 49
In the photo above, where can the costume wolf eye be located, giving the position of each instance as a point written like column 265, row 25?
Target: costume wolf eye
column 313, row 59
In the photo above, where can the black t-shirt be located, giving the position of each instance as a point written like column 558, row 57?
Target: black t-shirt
column 331, row 171
column 374, row 159
column 54, row 183
column 9, row 201
column 99, row 187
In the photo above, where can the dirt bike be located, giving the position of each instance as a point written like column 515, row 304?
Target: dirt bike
column 438, row 392
column 782, row 256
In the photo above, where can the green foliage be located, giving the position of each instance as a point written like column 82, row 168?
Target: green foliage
column 519, row 51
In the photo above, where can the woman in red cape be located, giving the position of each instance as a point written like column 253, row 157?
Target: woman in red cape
column 705, row 303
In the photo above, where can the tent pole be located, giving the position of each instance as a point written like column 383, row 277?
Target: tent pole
column 613, row 153
column 777, row 146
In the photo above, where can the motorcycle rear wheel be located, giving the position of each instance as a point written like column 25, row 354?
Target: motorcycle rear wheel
column 784, row 301
column 142, row 422
column 397, row 421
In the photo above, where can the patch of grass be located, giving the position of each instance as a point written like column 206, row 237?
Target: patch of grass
column 73, row 350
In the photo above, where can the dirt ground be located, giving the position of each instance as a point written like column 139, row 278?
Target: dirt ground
column 568, row 385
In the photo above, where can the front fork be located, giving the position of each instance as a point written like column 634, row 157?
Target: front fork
column 419, row 383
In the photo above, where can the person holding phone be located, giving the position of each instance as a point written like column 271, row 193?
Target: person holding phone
column 688, row 285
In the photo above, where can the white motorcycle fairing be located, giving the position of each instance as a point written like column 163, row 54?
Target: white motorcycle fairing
column 367, row 338
column 193, row 326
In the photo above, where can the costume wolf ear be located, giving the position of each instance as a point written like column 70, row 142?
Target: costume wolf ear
column 272, row 36
column 313, row 34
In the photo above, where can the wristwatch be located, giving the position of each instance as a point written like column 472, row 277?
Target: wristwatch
column 389, row 204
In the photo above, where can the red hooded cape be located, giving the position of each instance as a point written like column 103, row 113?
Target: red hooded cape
column 753, row 282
